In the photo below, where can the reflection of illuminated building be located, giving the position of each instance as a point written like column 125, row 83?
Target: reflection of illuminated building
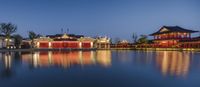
column 173, row 63
column 65, row 59
column 6, row 60
column 104, row 57
column 6, row 64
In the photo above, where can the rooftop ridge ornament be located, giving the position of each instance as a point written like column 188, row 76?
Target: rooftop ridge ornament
column 65, row 35
column 164, row 30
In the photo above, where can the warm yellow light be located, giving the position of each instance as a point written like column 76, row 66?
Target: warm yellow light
column 164, row 42
column 49, row 44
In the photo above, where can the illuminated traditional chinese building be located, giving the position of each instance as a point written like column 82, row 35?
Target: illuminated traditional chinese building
column 103, row 42
column 64, row 41
column 170, row 36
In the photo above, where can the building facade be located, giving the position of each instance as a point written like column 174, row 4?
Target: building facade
column 3, row 42
column 64, row 41
column 171, row 36
column 193, row 43
column 102, row 43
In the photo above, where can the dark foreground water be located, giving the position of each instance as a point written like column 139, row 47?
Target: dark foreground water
column 100, row 69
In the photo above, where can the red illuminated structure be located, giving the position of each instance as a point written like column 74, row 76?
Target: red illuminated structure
column 171, row 36
column 64, row 41
column 193, row 43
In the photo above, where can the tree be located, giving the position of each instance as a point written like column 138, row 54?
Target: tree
column 32, row 36
column 134, row 37
column 18, row 40
column 7, row 29
column 143, row 39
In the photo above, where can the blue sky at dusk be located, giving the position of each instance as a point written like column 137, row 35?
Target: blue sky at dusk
column 114, row 18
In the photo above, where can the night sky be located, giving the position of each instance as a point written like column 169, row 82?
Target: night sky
column 113, row 18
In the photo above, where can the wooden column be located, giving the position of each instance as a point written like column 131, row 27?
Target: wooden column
column 168, row 35
column 175, row 35
column 49, row 44
column 198, row 45
column 189, row 35
column 80, row 44
column 184, row 45
column 38, row 44
column 91, row 44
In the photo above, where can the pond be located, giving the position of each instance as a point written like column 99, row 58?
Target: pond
column 101, row 68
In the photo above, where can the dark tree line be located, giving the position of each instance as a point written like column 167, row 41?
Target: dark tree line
column 8, row 29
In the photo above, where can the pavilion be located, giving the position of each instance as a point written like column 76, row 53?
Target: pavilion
column 171, row 36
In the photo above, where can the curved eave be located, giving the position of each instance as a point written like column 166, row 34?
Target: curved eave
column 157, row 33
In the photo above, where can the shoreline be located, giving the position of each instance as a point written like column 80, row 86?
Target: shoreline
column 57, row 49
column 94, row 49
column 169, row 49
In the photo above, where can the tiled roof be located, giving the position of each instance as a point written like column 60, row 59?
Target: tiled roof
column 60, row 35
column 172, row 29
column 65, row 39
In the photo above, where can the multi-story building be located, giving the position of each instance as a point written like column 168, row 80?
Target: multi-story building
column 171, row 36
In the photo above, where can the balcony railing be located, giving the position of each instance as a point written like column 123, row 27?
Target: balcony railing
column 164, row 38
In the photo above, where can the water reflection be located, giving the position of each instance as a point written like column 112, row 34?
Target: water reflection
column 169, row 63
column 173, row 62
column 68, row 59
column 6, row 63
column 7, row 60
column 104, row 58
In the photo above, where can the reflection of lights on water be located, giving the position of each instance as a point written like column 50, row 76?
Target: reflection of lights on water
column 50, row 57
column 7, row 61
column 67, row 59
column 104, row 57
column 173, row 63
column 93, row 57
column 164, row 64
column 80, row 57
column 35, row 60
column 149, row 56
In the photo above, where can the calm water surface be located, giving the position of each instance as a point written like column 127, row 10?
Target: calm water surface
column 102, row 68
